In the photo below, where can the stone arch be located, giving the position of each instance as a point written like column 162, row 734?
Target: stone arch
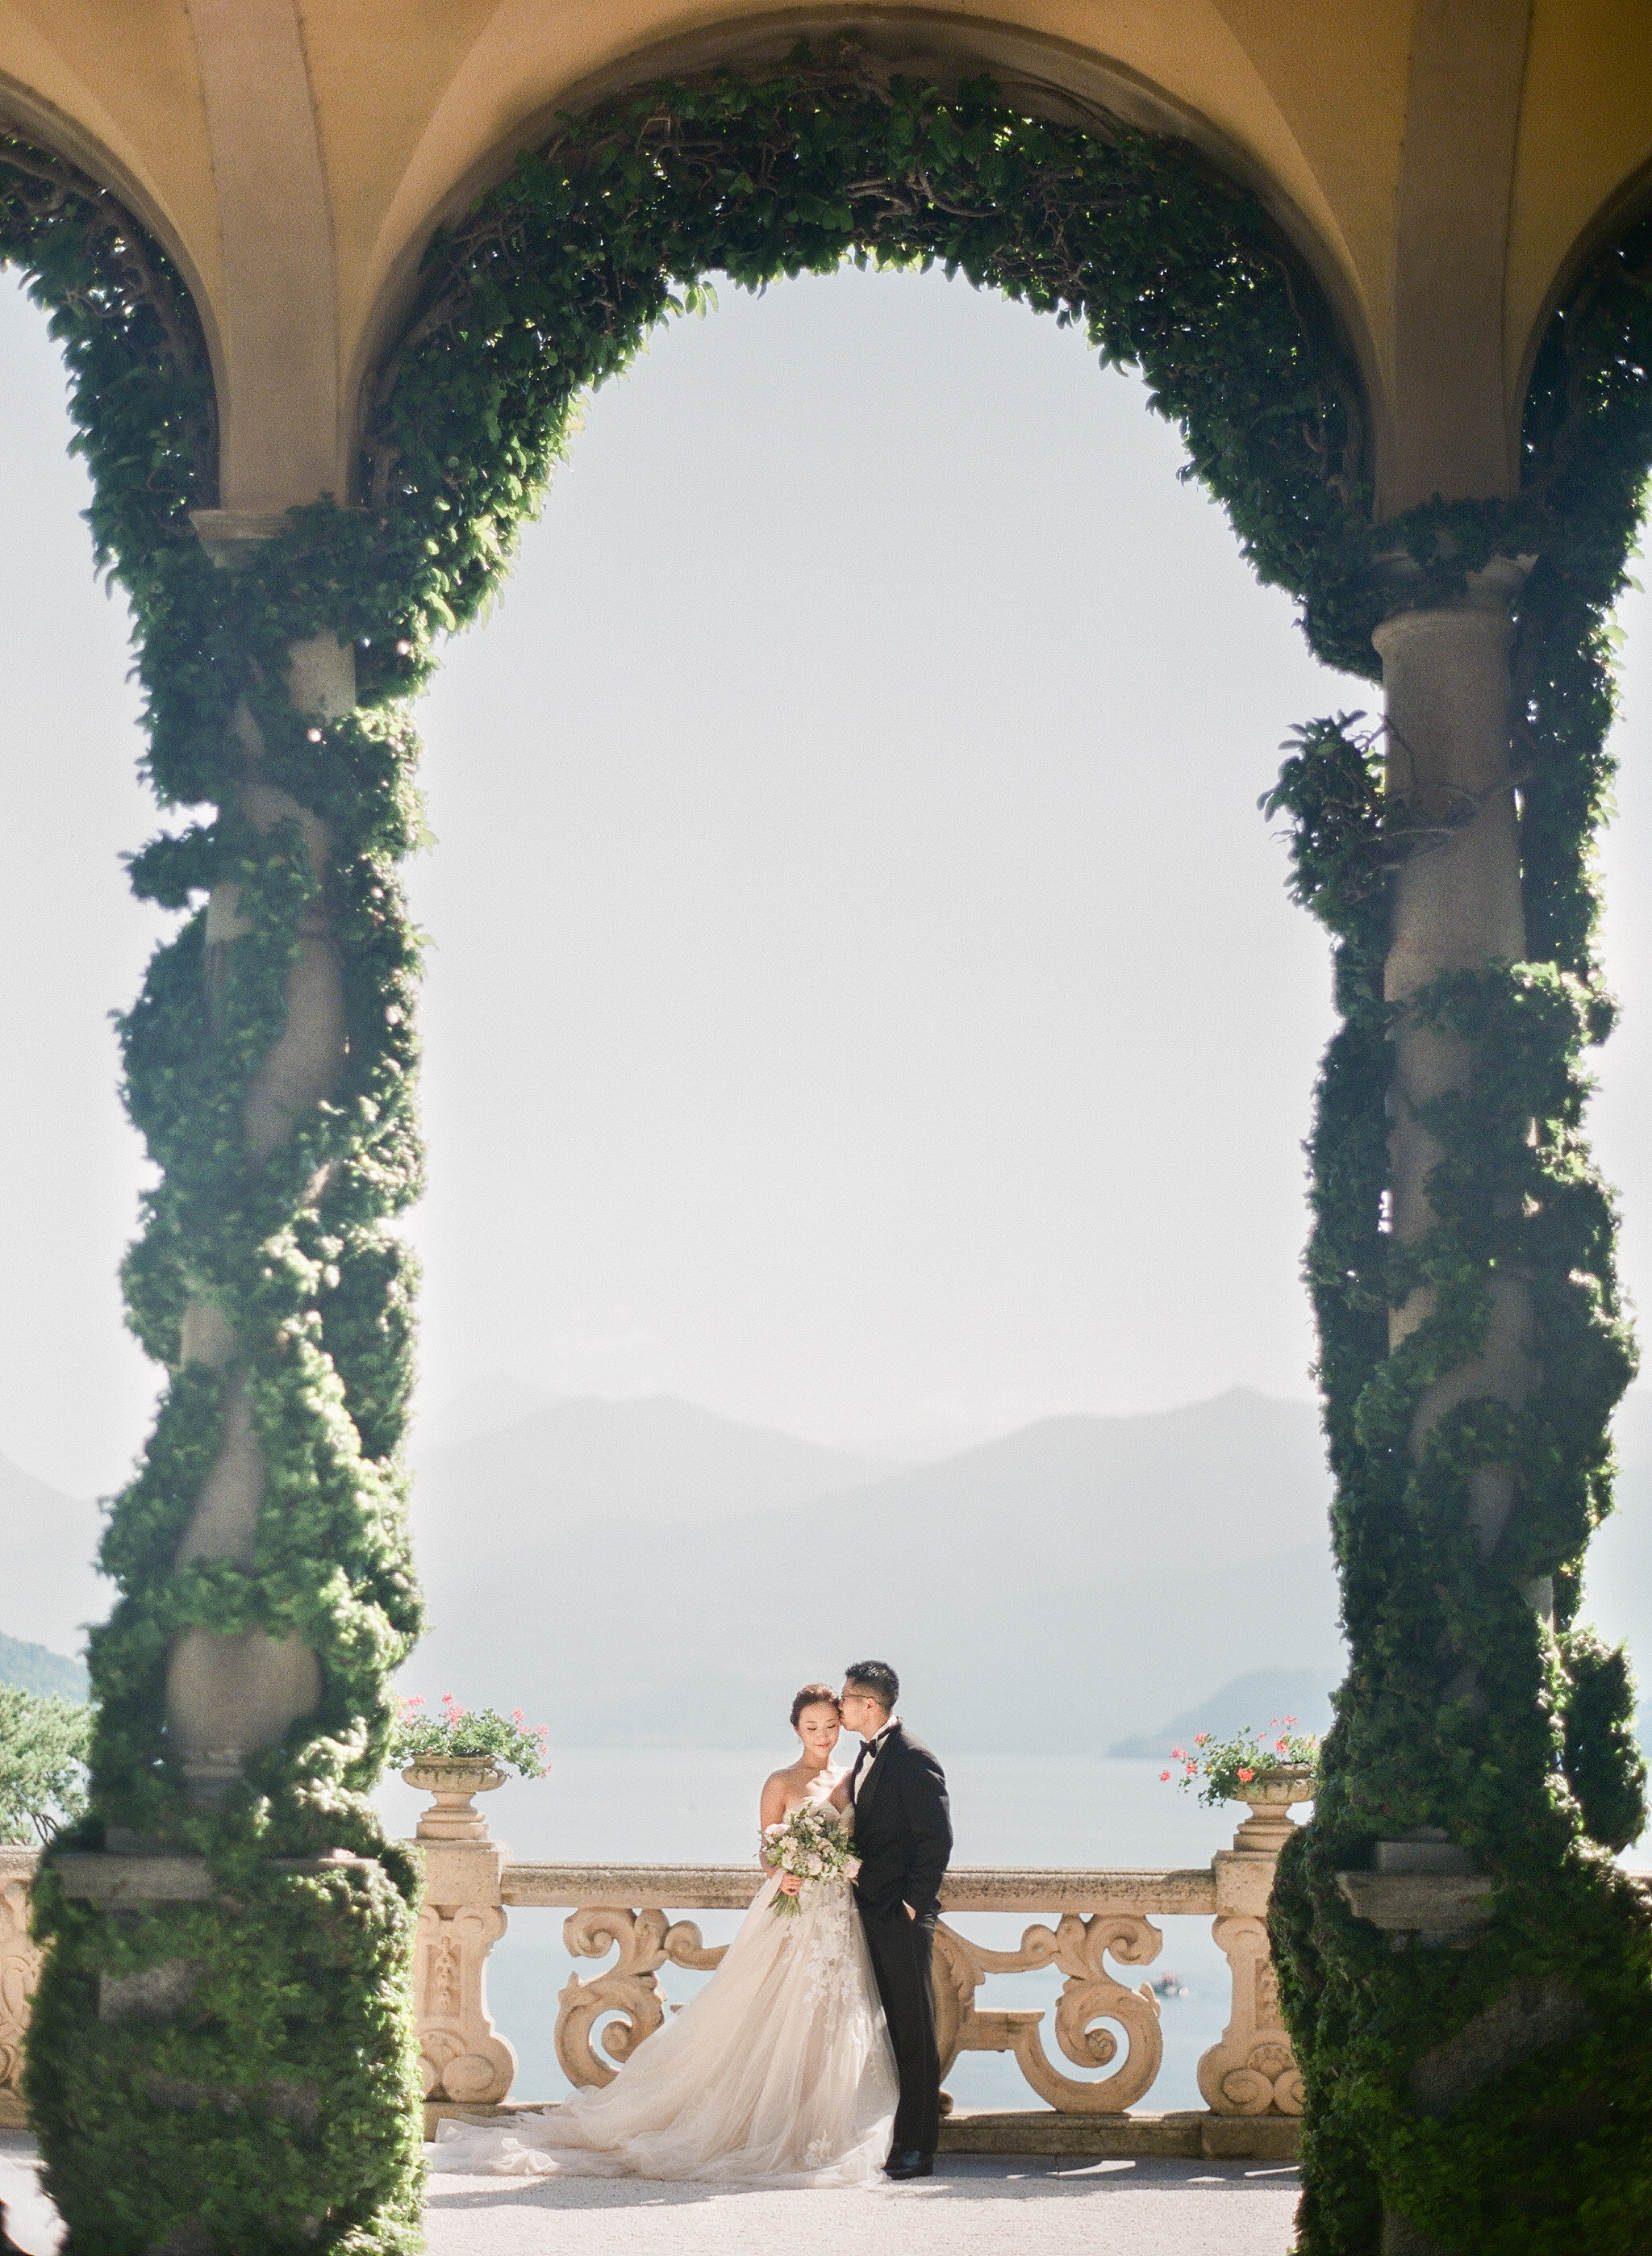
column 45, row 126
column 94, row 170
column 1049, row 78
column 1200, row 284
column 257, row 691
column 1607, row 229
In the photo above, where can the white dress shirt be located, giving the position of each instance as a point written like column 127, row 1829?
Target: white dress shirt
column 870, row 1754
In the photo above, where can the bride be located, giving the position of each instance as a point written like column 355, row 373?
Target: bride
column 780, row 2069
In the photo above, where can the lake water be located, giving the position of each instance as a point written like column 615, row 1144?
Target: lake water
column 656, row 1806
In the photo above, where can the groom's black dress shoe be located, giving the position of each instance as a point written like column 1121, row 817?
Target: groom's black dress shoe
column 910, row 2163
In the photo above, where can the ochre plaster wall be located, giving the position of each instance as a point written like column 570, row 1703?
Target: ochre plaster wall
column 120, row 79
column 1441, row 161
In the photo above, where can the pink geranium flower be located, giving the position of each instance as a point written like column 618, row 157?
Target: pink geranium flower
column 1246, row 1776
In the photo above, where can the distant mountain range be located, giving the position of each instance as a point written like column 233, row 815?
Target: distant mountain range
column 38, row 1670
column 1070, row 1582
column 1255, row 1700
column 648, row 1573
column 49, row 1586
column 520, row 1485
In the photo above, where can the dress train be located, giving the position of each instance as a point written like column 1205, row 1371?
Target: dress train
column 780, row 2069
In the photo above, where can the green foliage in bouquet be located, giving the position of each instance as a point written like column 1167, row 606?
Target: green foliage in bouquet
column 455, row 1733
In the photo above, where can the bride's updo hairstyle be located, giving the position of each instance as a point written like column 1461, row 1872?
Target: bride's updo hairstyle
column 812, row 1695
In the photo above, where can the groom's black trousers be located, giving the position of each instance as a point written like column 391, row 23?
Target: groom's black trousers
column 902, row 1949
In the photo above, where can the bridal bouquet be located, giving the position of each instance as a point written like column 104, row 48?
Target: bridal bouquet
column 812, row 1846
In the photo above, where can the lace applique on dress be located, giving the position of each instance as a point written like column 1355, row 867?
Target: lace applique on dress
column 832, row 1978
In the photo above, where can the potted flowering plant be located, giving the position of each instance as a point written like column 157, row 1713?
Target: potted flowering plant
column 460, row 1752
column 1267, row 1770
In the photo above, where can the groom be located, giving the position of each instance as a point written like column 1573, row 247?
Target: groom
column 902, row 1836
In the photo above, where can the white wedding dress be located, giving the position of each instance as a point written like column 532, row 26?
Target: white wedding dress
column 779, row 2070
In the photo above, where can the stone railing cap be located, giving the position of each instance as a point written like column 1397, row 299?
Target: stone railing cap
column 689, row 1887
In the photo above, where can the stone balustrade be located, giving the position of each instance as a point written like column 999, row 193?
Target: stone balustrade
column 1085, row 1924
column 1097, row 1915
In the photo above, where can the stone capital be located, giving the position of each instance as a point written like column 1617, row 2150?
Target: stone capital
column 1244, row 1882
column 1490, row 592
column 458, row 1872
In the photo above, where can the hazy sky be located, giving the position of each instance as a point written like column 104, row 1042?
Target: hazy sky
column 863, row 996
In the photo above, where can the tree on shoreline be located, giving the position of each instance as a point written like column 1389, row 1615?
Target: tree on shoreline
column 43, row 1747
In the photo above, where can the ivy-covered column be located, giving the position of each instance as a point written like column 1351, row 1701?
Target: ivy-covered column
column 1457, row 908
column 229, row 1693
column 1466, row 1974
column 222, row 2059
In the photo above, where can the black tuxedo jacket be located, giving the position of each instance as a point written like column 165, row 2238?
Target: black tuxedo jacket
column 903, row 1827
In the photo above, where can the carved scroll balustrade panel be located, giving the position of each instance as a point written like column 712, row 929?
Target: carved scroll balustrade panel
column 1098, row 1915
column 461, row 2054
column 20, row 1971
column 646, row 1941
column 1089, row 1997
column 1253, row 2070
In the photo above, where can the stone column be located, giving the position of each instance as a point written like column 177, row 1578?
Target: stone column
column 227, row 1696
column 463, row 2060
column 1456, row 907
column 1251, row 2070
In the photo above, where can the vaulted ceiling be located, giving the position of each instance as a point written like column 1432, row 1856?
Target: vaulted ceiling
column 1444, row 165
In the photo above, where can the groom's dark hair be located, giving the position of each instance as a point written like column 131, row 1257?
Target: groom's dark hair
column 878, row 1679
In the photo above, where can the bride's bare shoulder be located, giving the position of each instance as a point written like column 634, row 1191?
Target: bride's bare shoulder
column 777, row 1792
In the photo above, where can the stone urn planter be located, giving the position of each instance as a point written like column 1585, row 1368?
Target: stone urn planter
column 1270, row 1796
column 453, row 1781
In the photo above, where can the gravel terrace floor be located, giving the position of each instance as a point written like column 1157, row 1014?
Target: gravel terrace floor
column 975, row 2205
